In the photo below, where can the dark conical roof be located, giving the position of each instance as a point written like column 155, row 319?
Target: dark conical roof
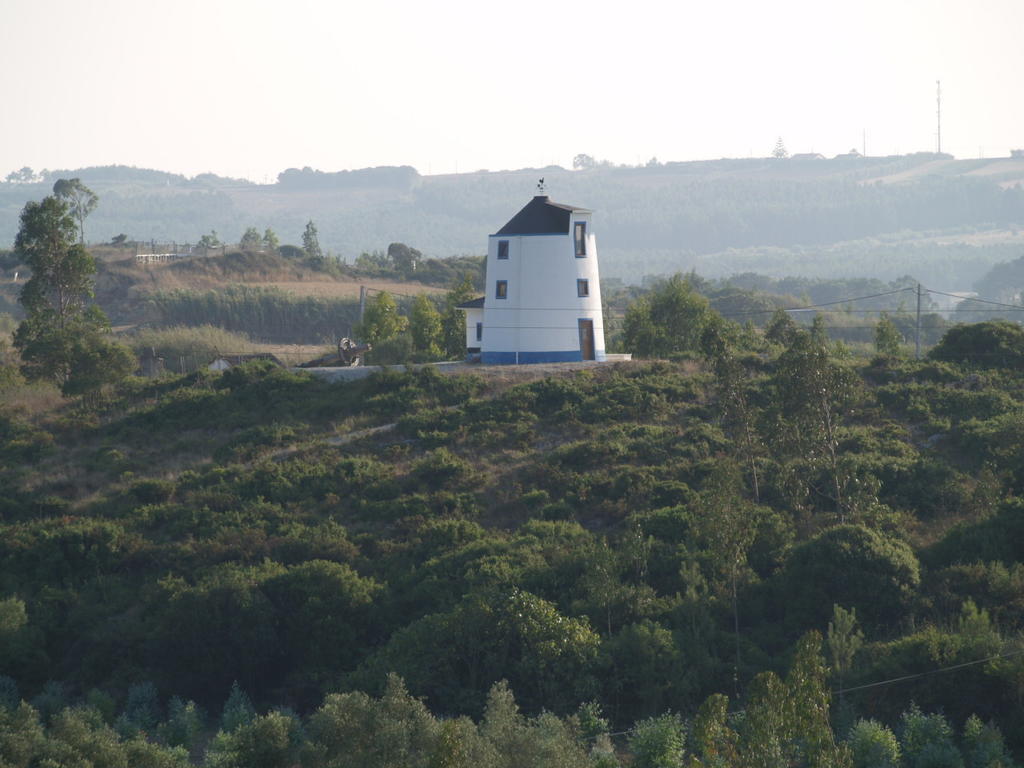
column 540, row 216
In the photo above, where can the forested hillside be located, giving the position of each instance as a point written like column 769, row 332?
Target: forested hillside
column 943, row 220
column 766, row 554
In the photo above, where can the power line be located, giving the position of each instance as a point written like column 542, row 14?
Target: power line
column 823, row 304
column 940, row 670
column 970, row 298
column 890, row 681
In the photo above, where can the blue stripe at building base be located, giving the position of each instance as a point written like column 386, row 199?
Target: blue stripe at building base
column 526, row 358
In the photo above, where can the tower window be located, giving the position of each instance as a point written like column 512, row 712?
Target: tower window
column 581, row 239
column 501, row 289
column 503, row 249
column 582, row 287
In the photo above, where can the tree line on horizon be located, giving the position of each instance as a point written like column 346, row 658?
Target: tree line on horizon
column 654, row 220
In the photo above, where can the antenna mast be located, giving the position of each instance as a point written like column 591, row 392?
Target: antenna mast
column 938, row 113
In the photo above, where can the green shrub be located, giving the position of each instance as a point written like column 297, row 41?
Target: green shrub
column 852, row 566
column 440, row 469
column 184, row 724
column 658, row 742
column 927, row 741
column 872, row 745
column 991, row 344
column 1000, row 537
column 983, row 745
column 151, row 490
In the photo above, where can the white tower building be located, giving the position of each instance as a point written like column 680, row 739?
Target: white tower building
column 543, row 300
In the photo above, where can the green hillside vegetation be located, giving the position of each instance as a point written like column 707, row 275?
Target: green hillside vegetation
column 261, row 568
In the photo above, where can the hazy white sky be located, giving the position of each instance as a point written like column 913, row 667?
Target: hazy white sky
column 249, row 88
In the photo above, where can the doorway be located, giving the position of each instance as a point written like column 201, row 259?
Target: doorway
column 587, row 339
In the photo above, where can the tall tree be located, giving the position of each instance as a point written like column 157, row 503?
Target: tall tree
column 251, row 240
column 23, row 176
column 404, row 258
column 425, row 326
column 887, row 336
column 381, row 320
column 671, row 318
column 787, row 722
column 844, row 640
column 739, row 415
column 311, row 241
column 61, row 336
column 726, row 524
column 813, row 393
column 80, row 198
column 453, row 321
column 583, row 162
column 62, row 269
column 781, row 328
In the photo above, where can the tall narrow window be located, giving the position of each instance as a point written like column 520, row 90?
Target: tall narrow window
column 582, row 287
column 501, row 289
column 581, row 239
column 479, row 331
column 503, row 249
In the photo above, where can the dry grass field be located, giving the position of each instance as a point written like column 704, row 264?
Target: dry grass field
column 210, row 273
column 342, row 289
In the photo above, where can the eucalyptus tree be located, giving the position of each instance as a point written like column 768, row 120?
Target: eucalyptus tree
column 81, row 200
column 61, row 337
column 812, row 396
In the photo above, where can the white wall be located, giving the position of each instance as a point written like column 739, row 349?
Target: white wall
column 473, row 316
column 542, row 309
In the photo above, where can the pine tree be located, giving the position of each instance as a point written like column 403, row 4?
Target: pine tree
column 311, row 241
column 238, row 710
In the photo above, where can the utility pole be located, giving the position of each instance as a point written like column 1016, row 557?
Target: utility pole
column 917, row 326
column 362, row 302
column 938, row 113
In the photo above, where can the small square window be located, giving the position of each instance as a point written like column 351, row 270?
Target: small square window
column 503, row 249
column 479, row 331
column 501, row 289
column 582, row 287
column 581, row 239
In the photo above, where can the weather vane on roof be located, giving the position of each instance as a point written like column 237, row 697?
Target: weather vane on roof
column 540, row 185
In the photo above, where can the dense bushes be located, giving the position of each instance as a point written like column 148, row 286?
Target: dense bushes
column 990, row 344
column 594, row 536
column 854, row 567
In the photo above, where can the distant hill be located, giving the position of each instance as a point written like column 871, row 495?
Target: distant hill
column 851, row 215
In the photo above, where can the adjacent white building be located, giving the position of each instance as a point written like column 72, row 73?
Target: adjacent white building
column 543, row 300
